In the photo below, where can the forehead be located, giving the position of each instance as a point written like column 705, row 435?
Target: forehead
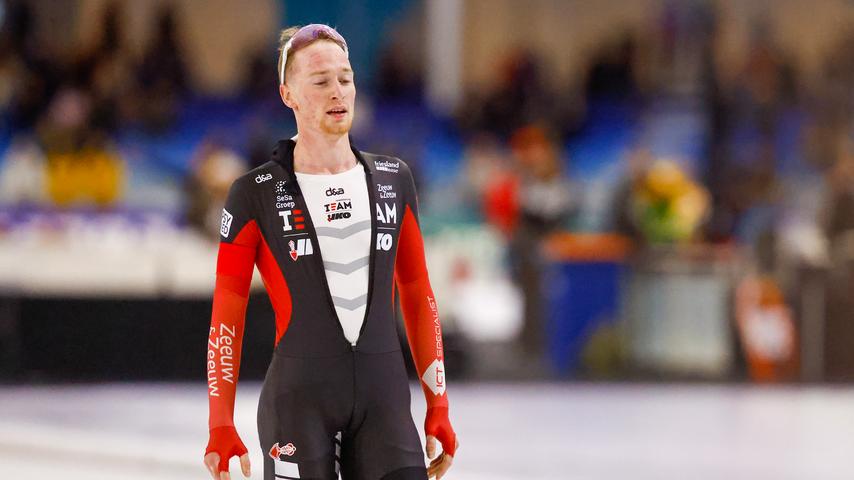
column 319, row 56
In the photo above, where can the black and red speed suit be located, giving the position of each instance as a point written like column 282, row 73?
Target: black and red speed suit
column 326, row 403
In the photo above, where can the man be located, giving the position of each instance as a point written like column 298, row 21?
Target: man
column 334, row 233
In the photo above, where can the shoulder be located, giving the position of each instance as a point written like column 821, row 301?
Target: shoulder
column 256, row 176
column 392, row 176
column 386, row 164
column 391, row 170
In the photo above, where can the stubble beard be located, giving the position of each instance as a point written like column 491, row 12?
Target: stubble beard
column 337, row 128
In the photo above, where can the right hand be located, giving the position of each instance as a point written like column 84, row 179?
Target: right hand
column 437, row 429
column 224, row 443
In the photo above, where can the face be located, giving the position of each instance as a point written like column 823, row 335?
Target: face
column 320, row 89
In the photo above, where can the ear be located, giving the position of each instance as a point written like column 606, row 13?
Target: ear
column 287, row 96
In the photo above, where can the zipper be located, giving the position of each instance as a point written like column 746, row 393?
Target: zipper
column 371, row 253
column 372, row 202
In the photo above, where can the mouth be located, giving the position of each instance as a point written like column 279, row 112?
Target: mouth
column 337, row 111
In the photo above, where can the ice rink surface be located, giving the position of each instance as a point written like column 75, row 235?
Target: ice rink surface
column 507, row 431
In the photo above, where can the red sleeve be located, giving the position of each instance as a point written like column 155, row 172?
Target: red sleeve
column 423, row 328
column 234, row 267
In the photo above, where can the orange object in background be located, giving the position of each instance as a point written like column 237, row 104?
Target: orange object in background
column 587, row 247
column 766, row 329
column 90, row 175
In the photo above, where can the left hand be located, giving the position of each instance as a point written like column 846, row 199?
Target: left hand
column 440, row 464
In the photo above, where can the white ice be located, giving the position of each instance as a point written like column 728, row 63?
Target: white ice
column 535, row 431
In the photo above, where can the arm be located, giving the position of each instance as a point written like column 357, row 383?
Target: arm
column 421, row 318
column 235, row 264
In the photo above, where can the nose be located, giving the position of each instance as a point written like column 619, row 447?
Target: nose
column 337, row 90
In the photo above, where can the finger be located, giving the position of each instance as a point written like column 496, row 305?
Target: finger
column 431, row 446
column 211, row 462
column 433, row 468
column 443, row 466
column 244, row 465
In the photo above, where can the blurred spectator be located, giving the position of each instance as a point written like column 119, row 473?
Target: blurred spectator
column 11, row 70
column 82, row 164
column 22, row 173
column 162, row 75
column 260, row 140
column 766, row 329
column 214, row 168
column 840, row 203
column 718, row 117
column 527, row 203
column 106, row 70
column 520, row 98
column 612, row 71
column 748, row 122
column 396, row 81
column 666, row 205
column 260, row 76
column 93, row 174
column 485, row 161
column 836, row 95
column 28, row 74
column 624, row 222
column 765, row 87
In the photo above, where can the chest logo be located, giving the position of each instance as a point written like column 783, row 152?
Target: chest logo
column 384, row 241
column 293, row 219
column 300, row 247
column 387, row 166
column 284, row 201
column 387, row 215
column 339, row 209
column 225, row 225
column 386, row 191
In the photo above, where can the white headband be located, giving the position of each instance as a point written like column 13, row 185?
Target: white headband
column 285, row 51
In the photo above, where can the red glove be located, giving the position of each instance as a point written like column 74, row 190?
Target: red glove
column 225, row 442
column 438, row 425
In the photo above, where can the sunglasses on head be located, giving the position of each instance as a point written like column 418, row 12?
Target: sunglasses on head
column 306, row 35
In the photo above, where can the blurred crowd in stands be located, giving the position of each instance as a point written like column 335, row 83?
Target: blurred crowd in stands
column 69, row 120
column 772, row 174
column 764, row 124
column 64, row 111
column 772, row 166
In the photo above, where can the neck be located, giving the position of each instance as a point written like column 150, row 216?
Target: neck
column 319, row 155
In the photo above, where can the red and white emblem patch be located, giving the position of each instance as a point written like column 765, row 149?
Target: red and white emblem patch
column 277, row 451
column 299, row 248
column 434, row 377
